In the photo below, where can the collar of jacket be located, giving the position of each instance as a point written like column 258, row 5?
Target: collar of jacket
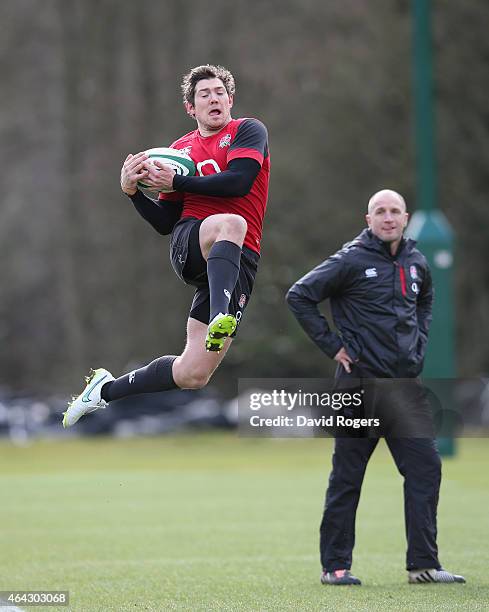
column 373, row 243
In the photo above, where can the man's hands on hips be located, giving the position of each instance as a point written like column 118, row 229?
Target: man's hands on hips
column 344, row 359
column 133, row 170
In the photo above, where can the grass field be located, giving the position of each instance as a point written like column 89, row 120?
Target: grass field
column 215, row 522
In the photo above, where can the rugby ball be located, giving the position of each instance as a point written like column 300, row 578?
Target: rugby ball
column 178, row 160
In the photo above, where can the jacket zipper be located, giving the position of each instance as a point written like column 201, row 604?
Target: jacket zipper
column 402, row 277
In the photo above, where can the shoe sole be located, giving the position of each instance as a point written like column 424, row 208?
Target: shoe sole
column 218, row 332
column 423, row 582
column 341, row 583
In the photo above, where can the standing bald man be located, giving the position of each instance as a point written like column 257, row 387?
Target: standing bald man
column 379, row 287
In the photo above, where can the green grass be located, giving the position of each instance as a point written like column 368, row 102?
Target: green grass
column 215, row 522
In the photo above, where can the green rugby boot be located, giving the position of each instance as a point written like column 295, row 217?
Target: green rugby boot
column 220, row 328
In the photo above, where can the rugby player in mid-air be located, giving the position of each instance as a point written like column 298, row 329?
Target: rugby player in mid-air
column 215, row 220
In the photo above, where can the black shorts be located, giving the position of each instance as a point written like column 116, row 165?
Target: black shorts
column 191, row 267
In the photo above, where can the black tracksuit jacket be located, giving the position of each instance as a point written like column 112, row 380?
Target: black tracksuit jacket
column 381, row 306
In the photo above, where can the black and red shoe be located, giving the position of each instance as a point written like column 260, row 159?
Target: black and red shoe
column 339, row 577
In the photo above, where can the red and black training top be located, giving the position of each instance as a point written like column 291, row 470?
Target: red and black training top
column 240, row 139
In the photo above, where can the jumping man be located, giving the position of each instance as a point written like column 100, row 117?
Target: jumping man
column 215, row 220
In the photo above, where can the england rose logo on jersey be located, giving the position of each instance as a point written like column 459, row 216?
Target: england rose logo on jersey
column 225, row 141
column 242, row 300
column 413, row 272
column 186, row 150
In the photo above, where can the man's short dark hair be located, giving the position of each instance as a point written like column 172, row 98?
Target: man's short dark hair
column 207, row 71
